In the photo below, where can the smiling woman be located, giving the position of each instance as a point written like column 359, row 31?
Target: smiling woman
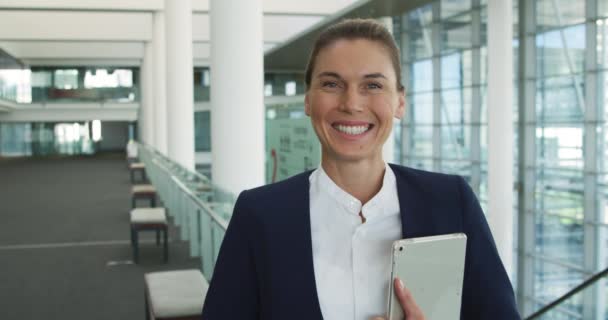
column 318, row 245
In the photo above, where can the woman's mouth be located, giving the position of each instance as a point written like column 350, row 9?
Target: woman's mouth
column 352, row 130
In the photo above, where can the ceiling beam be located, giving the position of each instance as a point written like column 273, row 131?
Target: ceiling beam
column 293, row 53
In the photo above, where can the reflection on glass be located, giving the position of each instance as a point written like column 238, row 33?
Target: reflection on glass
column 421, row 76
column 456, row 106
column 202, row 131
column 40, row 139
column 560, row 147
column 457, row 33
column 456, row 142
column 558, row 13
column 83, row 84
column 202, row 90
column 421, row 108
column 451, row 8
column 552, row 280
column 456, row 69
column 561, row 51
column 421, row 144
column 284, row 84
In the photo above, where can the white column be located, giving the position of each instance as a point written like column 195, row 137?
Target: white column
column 388, row 150
column 160, row 83
column 180, row 87
column 146, row 108
column 237, row 100
column 500, row 126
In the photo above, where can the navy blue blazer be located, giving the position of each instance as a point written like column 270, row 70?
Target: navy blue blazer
column 265, row 265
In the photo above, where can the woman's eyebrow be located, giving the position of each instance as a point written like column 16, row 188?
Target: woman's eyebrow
column 374, row 75
column 329, row 74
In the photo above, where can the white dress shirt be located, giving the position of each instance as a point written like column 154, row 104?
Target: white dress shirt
column 352, row 259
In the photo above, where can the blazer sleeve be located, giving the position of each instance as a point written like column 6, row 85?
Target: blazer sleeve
column 487, row 290
column 233, row 290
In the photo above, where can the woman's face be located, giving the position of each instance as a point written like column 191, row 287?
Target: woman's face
column 353, row 98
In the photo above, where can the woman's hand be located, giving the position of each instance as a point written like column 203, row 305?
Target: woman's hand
column 410, row 308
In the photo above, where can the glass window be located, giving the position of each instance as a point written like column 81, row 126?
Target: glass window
column 421, row 78
column 560, row 99
column 561, row 51
column 422, row 108
column 457, row 33
column 66, row 79
column 422, row 141
column 104, row 78
column 456, row 69
column 202, row 91
column 202, row 131
column 456, row 142
column 451, row 8
column 420, row 45
column 558, row 13
column 552, row 280
column 560, row 147
column 456, row 106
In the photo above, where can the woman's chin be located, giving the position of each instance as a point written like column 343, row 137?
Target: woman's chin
column 356, row 155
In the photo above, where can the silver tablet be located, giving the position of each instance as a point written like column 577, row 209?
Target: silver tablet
column 432, row 268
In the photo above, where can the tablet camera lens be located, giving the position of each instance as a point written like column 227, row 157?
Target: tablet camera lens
column 400, row 248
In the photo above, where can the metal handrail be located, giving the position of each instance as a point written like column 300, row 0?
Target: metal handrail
column 194, row 203
column 219, row 220
column 591, row 280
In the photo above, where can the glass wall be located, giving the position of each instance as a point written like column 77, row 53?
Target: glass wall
column 84, row 84
column 283, row 84
column 560, row 55
column 443, row 57
column 201, row 84
column 20, row 139
column 14, row 79
column 202, row 131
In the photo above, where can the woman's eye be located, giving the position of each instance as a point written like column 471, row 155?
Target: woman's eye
column 329, row 84
column 374, row 85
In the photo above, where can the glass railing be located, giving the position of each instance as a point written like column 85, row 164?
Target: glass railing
column 99, row 95
column 199, row 208
column 588, row 300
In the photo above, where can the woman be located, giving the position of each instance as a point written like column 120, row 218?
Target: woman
column 317, row 245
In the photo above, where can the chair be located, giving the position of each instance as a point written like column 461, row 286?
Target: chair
column 152, row 219
column 173, row 295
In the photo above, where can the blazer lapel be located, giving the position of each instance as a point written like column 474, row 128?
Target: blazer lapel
column 416, row 212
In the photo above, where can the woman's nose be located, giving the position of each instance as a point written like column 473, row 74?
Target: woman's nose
column 351, row 101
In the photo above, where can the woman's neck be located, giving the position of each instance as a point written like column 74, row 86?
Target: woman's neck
column 361, row 179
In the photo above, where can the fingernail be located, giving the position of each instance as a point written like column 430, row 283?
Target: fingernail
column 401, row 286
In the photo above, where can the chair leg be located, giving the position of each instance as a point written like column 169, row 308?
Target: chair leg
column 135, row 245
column 166, row 244
column 132, row 176
column 133, row 202
column 147, row 306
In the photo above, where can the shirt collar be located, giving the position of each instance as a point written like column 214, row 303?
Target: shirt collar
column 349, row 202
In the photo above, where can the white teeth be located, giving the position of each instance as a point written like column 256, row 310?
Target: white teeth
column 353, row 130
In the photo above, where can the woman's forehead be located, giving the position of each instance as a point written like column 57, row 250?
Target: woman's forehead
column 358, row 57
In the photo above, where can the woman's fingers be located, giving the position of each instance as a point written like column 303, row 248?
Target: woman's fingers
column 410, row 308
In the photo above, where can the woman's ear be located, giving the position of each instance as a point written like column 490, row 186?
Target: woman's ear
column 307, row 105
column 400, row 111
